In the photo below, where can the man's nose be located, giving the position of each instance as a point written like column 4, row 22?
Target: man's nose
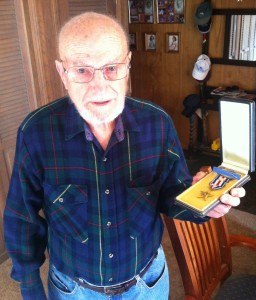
column 98, row 75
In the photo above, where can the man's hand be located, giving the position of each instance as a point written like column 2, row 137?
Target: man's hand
column 227, row 200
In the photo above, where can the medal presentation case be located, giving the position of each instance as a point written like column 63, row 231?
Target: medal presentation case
column 237, row 126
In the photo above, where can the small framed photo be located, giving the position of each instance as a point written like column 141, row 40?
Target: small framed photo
column 141, row 11
column 170, row 11
column 173, row 42
column 133, row 40
column 150, row 41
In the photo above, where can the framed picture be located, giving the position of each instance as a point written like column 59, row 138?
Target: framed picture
column 173, row 42
column 141, row 11
column 150, row 41
column 133, row 40
column 170, row 11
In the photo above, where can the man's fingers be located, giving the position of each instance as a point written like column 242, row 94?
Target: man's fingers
column 227, row 201
column 238, row 192
column 198, row 176
column 230, row 200
column 219, row 211
column 205, row 170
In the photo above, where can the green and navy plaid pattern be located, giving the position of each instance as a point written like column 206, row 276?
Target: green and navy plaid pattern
column 102, row 208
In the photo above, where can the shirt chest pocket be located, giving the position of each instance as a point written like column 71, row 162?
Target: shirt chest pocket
column 66, row 210
column 142, row 205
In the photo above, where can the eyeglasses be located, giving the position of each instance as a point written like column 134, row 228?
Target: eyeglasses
column 111, row 72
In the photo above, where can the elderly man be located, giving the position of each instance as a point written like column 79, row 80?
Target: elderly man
column 102, row 167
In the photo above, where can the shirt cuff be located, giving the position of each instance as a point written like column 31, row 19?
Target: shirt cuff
column 32, row 287
column 36, row 292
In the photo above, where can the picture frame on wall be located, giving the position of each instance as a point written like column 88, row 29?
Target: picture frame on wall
column 141, row 11
column 150, row 41
column 170, row 11
column 173, row 42
column 133, row 40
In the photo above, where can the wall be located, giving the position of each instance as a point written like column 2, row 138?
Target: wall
column 165, row 78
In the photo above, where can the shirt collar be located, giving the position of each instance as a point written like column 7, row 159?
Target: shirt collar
column 119, row 130
column 75, row 123
column 129, row 121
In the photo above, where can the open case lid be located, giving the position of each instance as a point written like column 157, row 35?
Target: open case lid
column 237, row 127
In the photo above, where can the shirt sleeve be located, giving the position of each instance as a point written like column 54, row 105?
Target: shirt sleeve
column 25, row 230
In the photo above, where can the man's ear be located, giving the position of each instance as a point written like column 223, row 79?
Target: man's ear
column 129, row 55
column 62, row 73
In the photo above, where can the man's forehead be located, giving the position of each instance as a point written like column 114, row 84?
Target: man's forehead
column 93, row 47
column 93, row 60
column 108, row 52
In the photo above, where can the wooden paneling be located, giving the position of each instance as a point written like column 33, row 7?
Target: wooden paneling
column 14, row 99
column 40, row 22
column 78, row 6
column 166, row 78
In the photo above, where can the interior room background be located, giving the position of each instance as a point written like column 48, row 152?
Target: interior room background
column 28, row 78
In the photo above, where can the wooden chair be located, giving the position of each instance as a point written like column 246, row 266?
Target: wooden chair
column 203, row 254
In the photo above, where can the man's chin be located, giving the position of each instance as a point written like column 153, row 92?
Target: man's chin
column 98, row 120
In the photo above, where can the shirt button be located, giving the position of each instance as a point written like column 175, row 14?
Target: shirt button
column 148, row 194
column 107, row 192
column 109, row 224
column 105, row 159
column 111, row 255
column 61, row 199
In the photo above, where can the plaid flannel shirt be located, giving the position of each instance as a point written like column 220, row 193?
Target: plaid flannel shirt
column 101, row 208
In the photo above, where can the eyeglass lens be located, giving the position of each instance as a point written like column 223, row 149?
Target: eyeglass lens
column 110, row 72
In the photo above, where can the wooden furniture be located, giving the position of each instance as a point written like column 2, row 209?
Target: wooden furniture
column 203, row 254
